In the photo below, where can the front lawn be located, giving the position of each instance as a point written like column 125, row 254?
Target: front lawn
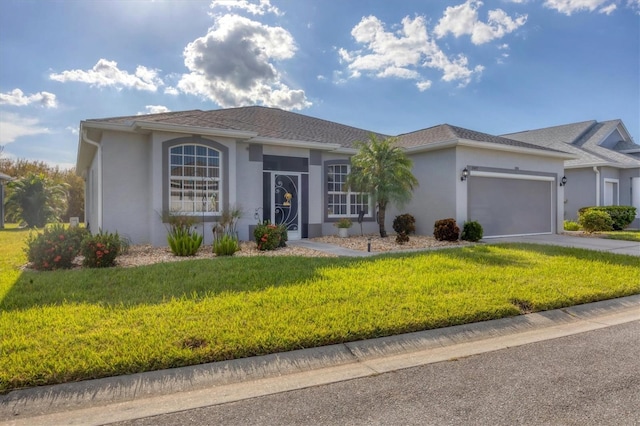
column 626, row 235
column 71, row 325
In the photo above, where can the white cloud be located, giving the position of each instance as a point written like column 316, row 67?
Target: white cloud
column 463, row 20
column 262, row 7
column 106, row 73
column 154, row 109
column 171, row 91
column 423, row 85
column 233, row 65
column 16, row 97
column 402, row 54
column 14, row 126
column 608, row 10
column 569, row 6
column 73, row 130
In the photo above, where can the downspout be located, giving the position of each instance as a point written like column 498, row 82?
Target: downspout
column 595, row 169
column 99, row 178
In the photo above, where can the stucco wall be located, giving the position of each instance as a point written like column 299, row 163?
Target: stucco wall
column 125, row 185
column 580, row 191
column 508, row 161
column 249, row 184
column 435, row 197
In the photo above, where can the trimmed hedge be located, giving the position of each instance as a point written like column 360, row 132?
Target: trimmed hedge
column 622, row 216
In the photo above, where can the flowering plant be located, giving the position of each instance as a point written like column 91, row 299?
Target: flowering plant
column 54, row 248
column 101, row 250
column 269, row 236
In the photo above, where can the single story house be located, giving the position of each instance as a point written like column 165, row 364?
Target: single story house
column 290, row 168
column 606, row 167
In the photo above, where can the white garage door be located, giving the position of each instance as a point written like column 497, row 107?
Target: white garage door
column 508, row 204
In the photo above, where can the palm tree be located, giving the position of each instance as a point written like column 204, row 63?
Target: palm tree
column 36, row 200
column 383, row 170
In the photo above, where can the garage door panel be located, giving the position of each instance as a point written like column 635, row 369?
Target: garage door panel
column 510, row 206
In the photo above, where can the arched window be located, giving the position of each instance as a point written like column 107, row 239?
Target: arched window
column 194, row 179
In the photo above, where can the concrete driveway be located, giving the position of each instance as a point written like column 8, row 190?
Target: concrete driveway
column 592, row 243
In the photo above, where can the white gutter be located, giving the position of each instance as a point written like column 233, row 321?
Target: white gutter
column 193, row 130
column 99, row 173
column 595, row 169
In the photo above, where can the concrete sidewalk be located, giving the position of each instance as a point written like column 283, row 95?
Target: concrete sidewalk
column 108, row 400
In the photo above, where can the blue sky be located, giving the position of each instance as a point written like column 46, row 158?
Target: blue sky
column 393, row 67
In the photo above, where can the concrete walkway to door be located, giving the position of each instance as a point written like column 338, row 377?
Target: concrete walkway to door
column 592, row 243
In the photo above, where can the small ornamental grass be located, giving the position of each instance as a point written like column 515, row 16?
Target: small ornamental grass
column 182, row 238
column 101, row 250
column 55, row 248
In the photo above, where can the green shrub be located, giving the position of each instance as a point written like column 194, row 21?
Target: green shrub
column 622, row 216
column 226, row 245
column 182, row 238
column 446, row 230
column 269, row 236
column 55, row 248
column 595, row 221
column 100, row 250
column 472, row 231
column 404, row 225
column 570, row 225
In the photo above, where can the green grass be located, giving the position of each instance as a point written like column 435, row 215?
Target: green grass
column 64, row 326
column 626, row 235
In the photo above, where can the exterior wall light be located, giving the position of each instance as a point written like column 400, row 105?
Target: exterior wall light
column 465, row 174
column 563, row 181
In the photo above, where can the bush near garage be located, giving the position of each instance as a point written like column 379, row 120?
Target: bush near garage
column 622, row 216
column 446, row 230
column 570, row 225
column 472, row 231
column 595, row 221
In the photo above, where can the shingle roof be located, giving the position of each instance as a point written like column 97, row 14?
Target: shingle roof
column 267, row 122
column 445, row 132
column 582, row 139
column 285, row 125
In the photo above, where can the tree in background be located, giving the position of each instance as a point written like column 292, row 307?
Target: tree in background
column 36, row 200
column 384, row 171
column 66, row 177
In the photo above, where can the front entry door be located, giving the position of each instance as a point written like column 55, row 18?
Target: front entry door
column 285, row 202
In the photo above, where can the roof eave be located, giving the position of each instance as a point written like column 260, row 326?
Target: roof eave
column 192, row 130
column 296, row 143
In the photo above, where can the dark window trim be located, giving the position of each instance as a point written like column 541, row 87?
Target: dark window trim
column 325, row 190
column 224, row 161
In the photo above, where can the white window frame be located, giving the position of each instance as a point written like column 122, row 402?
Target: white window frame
column 206, row 187
column 348, row 195
column 615, row 195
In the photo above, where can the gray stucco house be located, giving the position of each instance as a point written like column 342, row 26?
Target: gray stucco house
column 201, row 162
column 606, row 170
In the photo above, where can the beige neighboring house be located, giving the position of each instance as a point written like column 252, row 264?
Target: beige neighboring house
column 290, row 168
